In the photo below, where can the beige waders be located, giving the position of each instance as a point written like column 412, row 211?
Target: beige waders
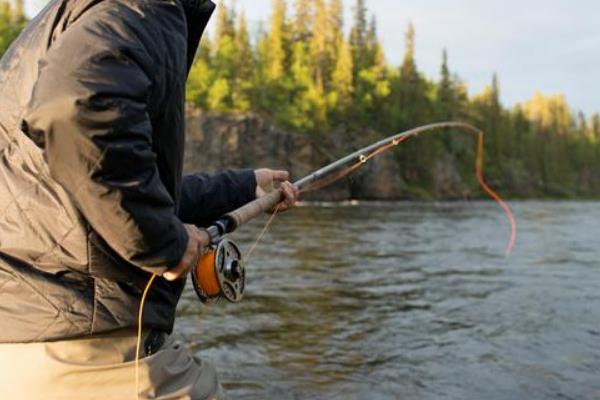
column 103, row 368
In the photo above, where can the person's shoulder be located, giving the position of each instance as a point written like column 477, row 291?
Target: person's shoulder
column 152, row 25
column 141, row 17
column 149, row 34
column 65, row 13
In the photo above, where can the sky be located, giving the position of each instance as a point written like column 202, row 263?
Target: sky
column 548, row 45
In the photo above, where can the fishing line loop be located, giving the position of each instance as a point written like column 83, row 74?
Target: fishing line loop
column 262, row 233
column 139, row 336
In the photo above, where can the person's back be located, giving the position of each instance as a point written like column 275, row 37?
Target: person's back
column 91, row 82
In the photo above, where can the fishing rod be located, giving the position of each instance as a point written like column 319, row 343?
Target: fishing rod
column 220, row 272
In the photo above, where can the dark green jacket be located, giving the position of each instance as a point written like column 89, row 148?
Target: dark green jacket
column 92, row 197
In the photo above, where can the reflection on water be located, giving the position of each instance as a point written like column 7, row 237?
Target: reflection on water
column 412, row 301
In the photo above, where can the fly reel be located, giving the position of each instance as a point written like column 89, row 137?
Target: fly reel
column 220, row 273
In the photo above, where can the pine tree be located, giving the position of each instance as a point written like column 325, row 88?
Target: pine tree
column 336, row 21
column 302, row 80
column 407, row 86
column 408, row 70
column 596, row 125
column 487, row 105
column 223, row 45
column 225, row 23
column 318, row 46
column 411, row 107
column 372, row 84
column 358, row 36
column 244, row 66
column 201, row 76
column 410, row 90
column 220, row 94
column 276, row 42
column 335, row 29
column 244, row 58
column 372, row 43
column 582, row 125
column 302, row 25
column 342, row 77
column 445, row 95
column 495, row 95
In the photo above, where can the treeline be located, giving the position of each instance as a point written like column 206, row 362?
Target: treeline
column 303, row 71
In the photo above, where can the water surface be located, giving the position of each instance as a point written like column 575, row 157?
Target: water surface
column 412, row 301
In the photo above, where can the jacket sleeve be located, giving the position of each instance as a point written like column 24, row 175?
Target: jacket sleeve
column 91, row 105
column 205, row 198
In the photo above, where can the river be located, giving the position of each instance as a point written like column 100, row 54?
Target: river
column 412, row 301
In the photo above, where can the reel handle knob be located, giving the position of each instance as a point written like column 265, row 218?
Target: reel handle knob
column 233, row 271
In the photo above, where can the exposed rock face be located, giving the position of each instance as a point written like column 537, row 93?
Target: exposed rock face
column 447, row 181
column 380, row 180
column 219, row 141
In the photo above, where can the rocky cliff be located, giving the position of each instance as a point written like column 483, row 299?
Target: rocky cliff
column 218, row 141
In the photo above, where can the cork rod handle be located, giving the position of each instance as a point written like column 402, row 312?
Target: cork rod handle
column 253, row 209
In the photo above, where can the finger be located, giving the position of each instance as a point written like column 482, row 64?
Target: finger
column 281, row 206
column 288, row 192
column 294, row 191
column 203, row 239
column 175, row 273
column 289, row 196
column 281, row 176
column 185, row 265
column 200, row 236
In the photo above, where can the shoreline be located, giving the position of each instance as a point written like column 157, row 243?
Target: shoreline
column 356, row 203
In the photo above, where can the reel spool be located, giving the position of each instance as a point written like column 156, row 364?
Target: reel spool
column 220, row 274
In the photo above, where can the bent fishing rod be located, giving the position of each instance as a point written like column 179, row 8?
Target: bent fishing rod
column 220, row 272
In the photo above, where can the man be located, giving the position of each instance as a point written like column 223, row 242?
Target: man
column 92, row 201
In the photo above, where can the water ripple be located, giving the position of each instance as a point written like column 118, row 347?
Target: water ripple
column 412, row 301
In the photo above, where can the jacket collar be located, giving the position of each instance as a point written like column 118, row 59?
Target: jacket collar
column 197, row 15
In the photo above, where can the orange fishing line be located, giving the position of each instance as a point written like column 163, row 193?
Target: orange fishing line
column 326, row 181
column 207, row 276
column 479, row 172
